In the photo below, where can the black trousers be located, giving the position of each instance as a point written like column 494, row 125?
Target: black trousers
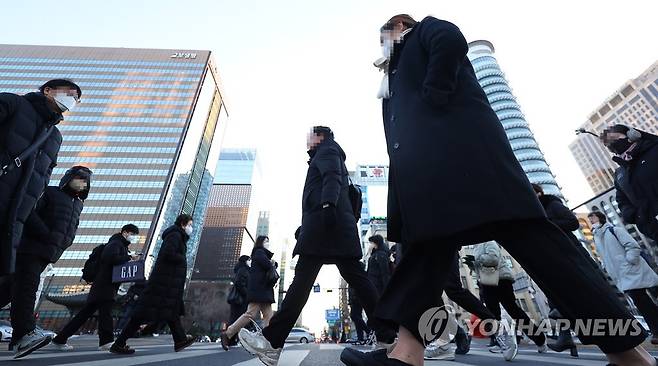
column 503, row 294
column 176, row 327
column 462, row 297
column 306, row 272
column 356, row 314
column 21, row 291
column 105, row 324
column 544, row 251
column 646, row 307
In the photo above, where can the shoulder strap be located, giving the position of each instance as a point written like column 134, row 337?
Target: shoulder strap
column 18, row 160
column 612, row 231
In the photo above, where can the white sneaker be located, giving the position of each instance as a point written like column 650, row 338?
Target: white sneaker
column 105, row 347
column 61, row 347
column 258, row 345
column 543, row 348
column 508, row 345
column 436, row 352
column 30, row 343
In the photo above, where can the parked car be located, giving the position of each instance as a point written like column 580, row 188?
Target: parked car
column 5, row 331
column 300, row 335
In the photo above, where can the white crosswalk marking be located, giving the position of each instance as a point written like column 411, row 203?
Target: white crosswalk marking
column 288, row 358
column 542, row 359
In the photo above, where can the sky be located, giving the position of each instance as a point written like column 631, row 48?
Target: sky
column 288, row 65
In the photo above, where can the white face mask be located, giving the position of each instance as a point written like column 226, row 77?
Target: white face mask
column 65, row 102
column 189, row 229
column 387, row 47
column 249, row 263
column 266, row 245
column 596, row 226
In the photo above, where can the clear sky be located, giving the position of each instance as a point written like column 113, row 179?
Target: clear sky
column 287, row 65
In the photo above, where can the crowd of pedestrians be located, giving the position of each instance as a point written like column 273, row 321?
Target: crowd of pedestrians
column 469, row 190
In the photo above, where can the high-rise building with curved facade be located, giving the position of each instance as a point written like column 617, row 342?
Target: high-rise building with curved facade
column 499, row 93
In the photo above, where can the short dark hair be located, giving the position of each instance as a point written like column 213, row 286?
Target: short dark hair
column 130, row 228
column 602, row 218
column 59, row 83
column 537, row 188
column 260, row 240
column 377, row 239
column 182, row 220
column 324, row 131
column 407, row 21
column 244, row 258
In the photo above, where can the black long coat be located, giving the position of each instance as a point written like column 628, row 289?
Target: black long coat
column 560, row 215
column 114, row 253
column 637, row 187
column 51, row 227
column 379, row 269
column 162, row 299
column 452, row 168
column 22, row 120
column 258, row 290
column 327, row 181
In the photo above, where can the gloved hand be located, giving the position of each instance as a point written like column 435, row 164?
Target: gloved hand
column 329, row 216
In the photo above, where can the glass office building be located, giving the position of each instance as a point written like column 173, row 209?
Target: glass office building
column 503, row 102
column 149, row 126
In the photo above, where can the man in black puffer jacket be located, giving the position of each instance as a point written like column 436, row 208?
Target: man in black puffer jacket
column 22, row 120
column 103, row 291
column 50, row 229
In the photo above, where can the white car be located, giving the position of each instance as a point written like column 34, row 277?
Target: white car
column 300, row 335
column 5, row 331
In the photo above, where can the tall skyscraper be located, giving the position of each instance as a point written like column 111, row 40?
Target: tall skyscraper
column 634, row 104
column 231, row 217
column 147, row 126
column 503, row 102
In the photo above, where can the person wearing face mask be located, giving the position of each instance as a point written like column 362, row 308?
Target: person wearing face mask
column 162, row 299
column 620, row 256
column 379, row 270
column 260, row 293
column 49, row 230
column 28, row 121
column 448, row 154
column 636, row 179
column 240, row 283
column 102, row 293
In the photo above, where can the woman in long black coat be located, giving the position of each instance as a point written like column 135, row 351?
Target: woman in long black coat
column 162, row 299
column 260, row 291
column 379, row 263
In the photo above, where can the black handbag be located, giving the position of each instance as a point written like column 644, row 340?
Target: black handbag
column 272, row 277
column 234, row 297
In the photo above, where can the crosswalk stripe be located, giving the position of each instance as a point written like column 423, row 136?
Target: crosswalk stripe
column 139, row 360
column 288, row 358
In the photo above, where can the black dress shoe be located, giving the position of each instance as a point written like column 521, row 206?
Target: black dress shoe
column 352, row 357
column 179, row 346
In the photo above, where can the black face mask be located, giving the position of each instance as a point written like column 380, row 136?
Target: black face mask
column 619, row 146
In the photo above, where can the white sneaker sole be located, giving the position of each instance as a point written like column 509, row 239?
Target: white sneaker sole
column 22, row 353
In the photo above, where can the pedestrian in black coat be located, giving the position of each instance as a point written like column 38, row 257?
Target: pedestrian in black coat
column 22, row 120
column 454, row 180
column 103, row 292
column 328, row 235
column 379, row 267
column 636, row 179
column 260, row 291
column 162, row 299
column 240, row 282
column 50, row 229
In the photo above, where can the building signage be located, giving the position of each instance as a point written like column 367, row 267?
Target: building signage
column 185, row 55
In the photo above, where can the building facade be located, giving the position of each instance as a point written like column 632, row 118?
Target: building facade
column 503, row 102
column 229, row 231
column 148, row 126
column 634, row 104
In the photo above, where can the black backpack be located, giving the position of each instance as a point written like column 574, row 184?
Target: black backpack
column 90, row 268
column 356, row 199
